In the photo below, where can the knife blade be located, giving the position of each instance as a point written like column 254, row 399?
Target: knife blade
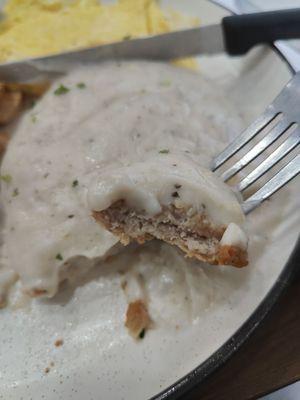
column 234, row 35
column 203, row 40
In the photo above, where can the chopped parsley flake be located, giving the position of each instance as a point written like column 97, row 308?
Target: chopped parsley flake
column 15, row 192
column 142, row 333
column 33, row 118
column 164, row 151
column 32, row 104
column 75, row 183
column 61, row 90
column 127, row 37
column 59, row 257
column 81, row 85
column 165, row 83
column 6, row 178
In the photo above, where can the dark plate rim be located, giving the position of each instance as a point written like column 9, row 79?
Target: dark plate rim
column 194, row 378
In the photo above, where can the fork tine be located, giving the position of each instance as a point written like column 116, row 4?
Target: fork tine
column 285, row 148
column 264, row 143
column 287, row 173
column 253, row 130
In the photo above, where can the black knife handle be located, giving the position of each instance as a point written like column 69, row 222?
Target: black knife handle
column 242, row 32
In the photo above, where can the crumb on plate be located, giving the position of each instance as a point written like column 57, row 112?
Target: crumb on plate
column 58, row 342
column 137, row 319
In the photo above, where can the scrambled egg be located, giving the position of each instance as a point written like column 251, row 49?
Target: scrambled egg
column 32, row 28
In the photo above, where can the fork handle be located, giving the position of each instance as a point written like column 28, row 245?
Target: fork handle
column 242, row 32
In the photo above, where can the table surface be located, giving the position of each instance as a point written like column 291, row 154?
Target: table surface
column 270, row 359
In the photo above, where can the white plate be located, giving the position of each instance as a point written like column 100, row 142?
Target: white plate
column 116, row 367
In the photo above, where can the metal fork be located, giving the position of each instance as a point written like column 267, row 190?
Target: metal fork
column 286, row 106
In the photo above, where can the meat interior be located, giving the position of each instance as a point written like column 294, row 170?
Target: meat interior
column 194, row 233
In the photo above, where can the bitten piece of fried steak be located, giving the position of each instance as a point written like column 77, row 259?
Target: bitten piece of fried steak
column 184, row 205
